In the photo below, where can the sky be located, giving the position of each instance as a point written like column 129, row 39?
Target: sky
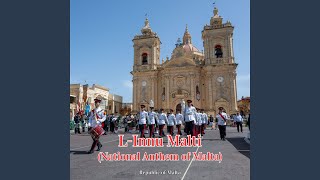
column 101, row 33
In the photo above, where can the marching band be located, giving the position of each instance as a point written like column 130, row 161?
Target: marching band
column 194, row 120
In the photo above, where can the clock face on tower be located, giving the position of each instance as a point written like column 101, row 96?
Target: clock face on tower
column 220, row 79
column 144, row 83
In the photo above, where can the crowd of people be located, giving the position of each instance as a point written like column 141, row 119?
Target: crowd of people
column 193, row 121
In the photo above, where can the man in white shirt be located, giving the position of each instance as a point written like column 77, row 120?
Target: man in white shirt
column 204, row 118
column 143, row 118
column 152, row 121
column 179, row 121
column 198, row 122
column 95, row 119
column 222, row 119
column 171, row 122
column 238, row 118
column 162, row 122
column 190, row 118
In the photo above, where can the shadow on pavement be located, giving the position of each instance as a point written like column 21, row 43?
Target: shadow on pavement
column 78, row 152
column 241, row 145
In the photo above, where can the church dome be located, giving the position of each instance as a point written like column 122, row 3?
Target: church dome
column 187, row 45
column 190, row 48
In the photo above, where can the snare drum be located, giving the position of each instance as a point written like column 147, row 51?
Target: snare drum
column 96, row 132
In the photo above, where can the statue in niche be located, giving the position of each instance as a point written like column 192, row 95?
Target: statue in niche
column 197, row 93
column 163, row 94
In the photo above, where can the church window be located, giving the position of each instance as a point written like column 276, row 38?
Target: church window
column 218, row 51
column 144, row 58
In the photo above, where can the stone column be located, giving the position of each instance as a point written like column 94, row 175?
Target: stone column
column 152, row 88
column 209, row 78
column 233, row 91
column 192, row 76
column 134, row 94
column 167, row 92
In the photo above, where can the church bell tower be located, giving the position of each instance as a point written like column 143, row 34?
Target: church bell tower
column 220, row 66
column 146, row 49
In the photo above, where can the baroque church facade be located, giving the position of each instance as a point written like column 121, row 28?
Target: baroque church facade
column 208, row 78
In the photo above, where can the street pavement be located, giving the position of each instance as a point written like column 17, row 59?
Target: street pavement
column 235, row 164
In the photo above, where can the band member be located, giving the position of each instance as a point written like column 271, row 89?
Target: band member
column 198, row 122
column 171, row 122
column 222, row 122
column 211, row 122
column 115, row 121
column 83, row 122
column 96, row 118
column 179, row 121
column 162, row 122
column 152, row 121
column 204, row 118
column 143, row 118
column 190, row 117
column 111, row 123
column 77, row 119
column 105, row 123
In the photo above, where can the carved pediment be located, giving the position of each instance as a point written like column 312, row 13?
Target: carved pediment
column 221, row 100
column 180, row 62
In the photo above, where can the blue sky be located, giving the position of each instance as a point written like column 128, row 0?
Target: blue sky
column 101, row 33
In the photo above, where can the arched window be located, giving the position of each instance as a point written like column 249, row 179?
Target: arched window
column 218, row 51
column 144, row 58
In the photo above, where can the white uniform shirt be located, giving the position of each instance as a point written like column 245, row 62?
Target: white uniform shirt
column 171, row 120
column 221, row 121
column 162, row 119
column 204, row 118
column 152, row 117
column 190, row 114
column 198, row 119
column 179, row 118
column 143, row 117
column 238, row 118
column 100, row 117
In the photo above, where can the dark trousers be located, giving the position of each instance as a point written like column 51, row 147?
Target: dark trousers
column 222, row 130
column 202, row 129
column 151, row 130
column 112, row 126
column 105, row 127
column 142, row 127
column 170, row 129
column 95, row 143
column 161, row 133
column 196, row 130
column 77, row 128
column 190, row 128
column 239, row 124
column 179, row 129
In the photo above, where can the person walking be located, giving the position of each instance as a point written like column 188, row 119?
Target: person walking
column 143, row 118
column 238, row 119
column 222, row 123
column 190, row 118
column 211, row 121
column 162, row 122
column 96, row 118
column 179, row 121
column 171, row 122
column 77, row 119
column 152, row 121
